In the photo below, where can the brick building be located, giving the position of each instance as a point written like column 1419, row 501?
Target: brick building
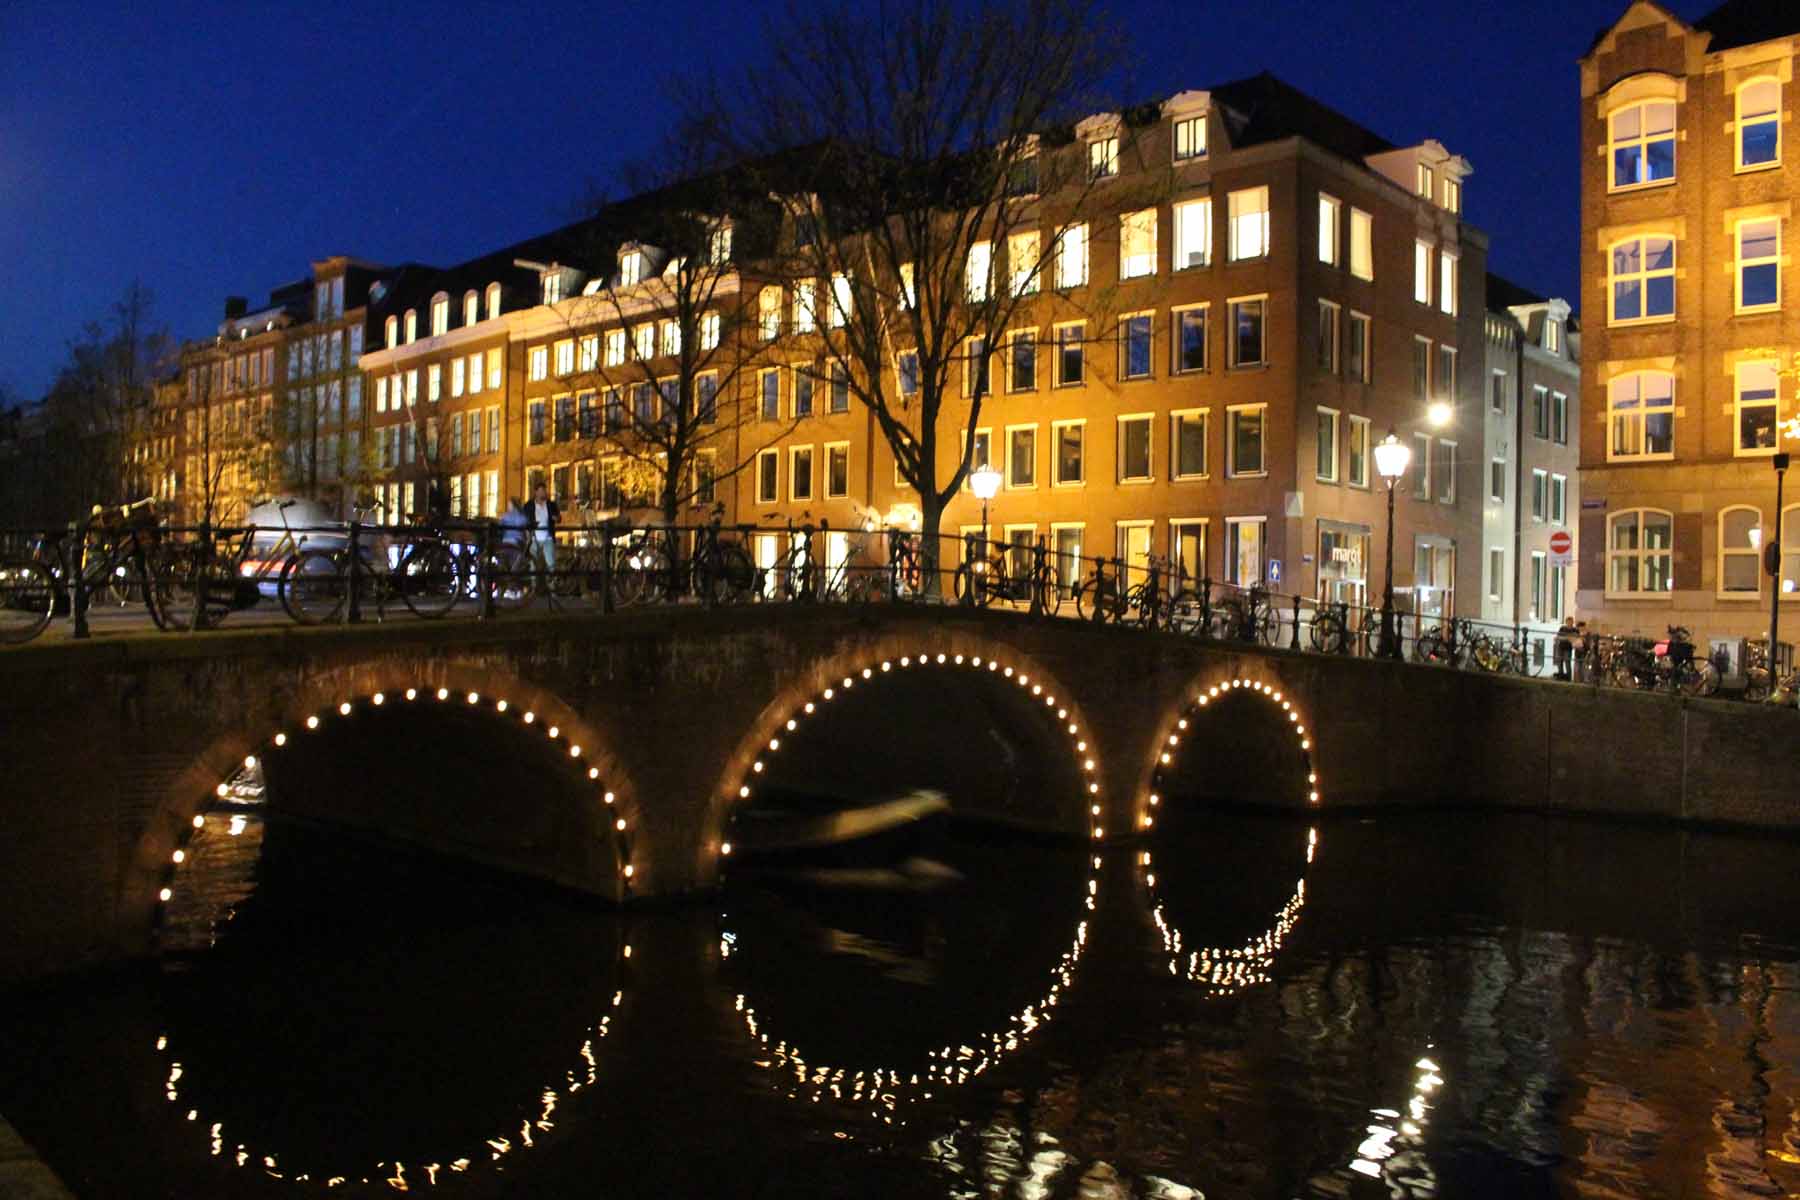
column 1687, row 186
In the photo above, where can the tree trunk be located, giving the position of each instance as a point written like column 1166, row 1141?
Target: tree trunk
column 931, row 517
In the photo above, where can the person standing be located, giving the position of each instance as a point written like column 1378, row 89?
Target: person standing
column 1565, row 649
column 542, row 516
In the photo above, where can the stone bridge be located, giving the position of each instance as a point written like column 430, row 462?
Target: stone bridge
column 608, row 753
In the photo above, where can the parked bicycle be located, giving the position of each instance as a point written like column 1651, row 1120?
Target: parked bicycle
column 1757, row 675
column 417, row 569
column 1245, row 615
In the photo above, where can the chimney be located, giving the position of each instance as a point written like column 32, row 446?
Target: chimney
column 235, row 307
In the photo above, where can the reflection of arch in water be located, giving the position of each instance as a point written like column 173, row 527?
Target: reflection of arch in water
column 243, row 787
column 768, row 741
column 1226, row 970
column 884, row 1089
column 583, row 1073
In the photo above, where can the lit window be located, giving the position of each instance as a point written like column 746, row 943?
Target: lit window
column 493, row 307
column 471, row 308
column 434, row 383
column 1640, row 411
column 1022, row 268
column 551, row 286
column 1134, row 449
column 1362, row 244
column 1326, row 457
column 1137, row 244
column 1190, row 138
column 1359, row 452
column 1422, row 272
column 768, row 304
column 1447, row 282
column 1243, row 550
column 1021, row 456
column 1072, row 257
column 1740, row 568
column 1193, row 234
column 1759, row 264
column 1642, row 279
column 1329, row 208
column 709, row 331
column 1756, row 408
column 1134, row 347
column 670, row 336
column 1640, row 554
column 588, row 353
column 1187, row 444
column 979, row 271
column 440, row 314
column 1759, row 123
column 718, row 243
column 1643, row 144
column 538, row 364
column 1103, row 157
column 1452, row 195
column 840, row 300
column 1553, row 336
column 615, row 347
column 1424, row 181
column 1244, row 439
column 1067, row 461
column 1247, row 333
column 410, row 325
column 643, row 341
column 906, row 370
column 565, row 357
column 631, row 268
column 908, row 293
column 1070, row 358
column 1249, row 213
column 1190, row 339
column 805, row 306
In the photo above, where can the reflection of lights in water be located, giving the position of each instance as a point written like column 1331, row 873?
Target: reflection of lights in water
column 1006, row 1168
column 882, row 1089
column 1224, row 970
column 585, row 1073
column 1392, row 1151
column 245, row 790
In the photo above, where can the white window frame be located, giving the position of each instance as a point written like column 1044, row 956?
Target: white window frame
column 978, row 272
column 1639, row 416
column 1056, row 428
column 1072, row 257
column 1177, row 418
column 1770, row 117
column 1540, row 495
column 1233, row 535
column 1103, row 157
column 1148, row 420
column 1335, row 420
column 1175, row 315
column 1643, row 276
column 1057, row 377
column 1330, row 213
column 1232, row 412
column 1496, row 588
column 1642, row 140
column 1738, row 406
column 1642, row 554
column 1187, row 138
column 793, row 456
column 1559, row 499
column 1722, row 552
column 1149, row 371
column 1421, row 271
column 1497, row 475
column 1359, row 428
column 1137, row 244
column 1251, row 233
column 1445, row 449
column 1328, row 344
column 1744, row 264
column 1013, row 338
column 492, row 305
column 766, row 455
column 1447, row 271
column 1362, row 244
column 1024, row 263
column 1231, row 340
column 1011, row 486
column 1193, row 227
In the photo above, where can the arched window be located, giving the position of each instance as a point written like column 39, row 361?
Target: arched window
column 440, row 314
column 471, row 307
column 493, row 301
column 1740, row 536
column 1641, row 272
column 1640, row 552
column 1640, row 415
column 1759, row 123
column 1642, row 140
column 411, row 325
column 393, row 332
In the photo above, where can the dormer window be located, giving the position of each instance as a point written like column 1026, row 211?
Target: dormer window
column 552, row 287
column 1103, row 157
column 1424, row 182
column 393, row 332
column 1190, row 138
column 631, row 268
column 411, row 322
column 440, row 314
column 1452, row 196
column 1552, row 335
column 471, row 307
column 718, row 244
column 493, row 301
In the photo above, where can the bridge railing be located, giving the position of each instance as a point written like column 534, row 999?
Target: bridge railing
column 193, row 577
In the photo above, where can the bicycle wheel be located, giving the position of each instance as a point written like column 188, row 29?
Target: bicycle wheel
column 1432, row 649
column 1756, row 684
column 1048, row 594
column 1487, row 654
column 509, row 579
column 314, row 587
column 430, row 579
column 968, row 587
column 1327, row 633
column 1267, row 627
column 1090, row 603
column 27, row 599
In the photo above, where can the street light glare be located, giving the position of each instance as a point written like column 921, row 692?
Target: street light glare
column 1439, row 413
column 985, row 483
column 1392, row 456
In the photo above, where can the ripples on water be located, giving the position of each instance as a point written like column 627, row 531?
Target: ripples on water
column 1455, row 1006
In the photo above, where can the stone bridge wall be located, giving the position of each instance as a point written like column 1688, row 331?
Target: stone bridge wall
column 112, row 746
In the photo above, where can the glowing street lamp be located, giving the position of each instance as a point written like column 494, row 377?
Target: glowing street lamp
column 986, row 484
column 1392, row 457
column 1439, row 413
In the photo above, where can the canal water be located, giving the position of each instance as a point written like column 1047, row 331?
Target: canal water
column 1455, row 1005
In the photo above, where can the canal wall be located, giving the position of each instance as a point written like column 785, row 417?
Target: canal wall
column 112, row 747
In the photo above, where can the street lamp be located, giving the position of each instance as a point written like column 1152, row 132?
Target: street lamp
column 985, row 482
column 1391, row 459
column 1772, row 563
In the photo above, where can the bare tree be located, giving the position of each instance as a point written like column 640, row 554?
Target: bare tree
column 931, row 180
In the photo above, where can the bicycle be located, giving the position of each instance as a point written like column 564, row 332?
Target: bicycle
column 722, row 573
column 110, row 546
column 1099, row 598
column 795, row 574
column 849, row 583
column 1246, row 616
column 1145, row 602
column 1330, row 631
column 316, row 585
column 1757, row 675
column 982, row 576
column 1448, row 645
column 906, row 573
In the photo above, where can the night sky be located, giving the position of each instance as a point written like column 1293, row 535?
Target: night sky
column 215, row 150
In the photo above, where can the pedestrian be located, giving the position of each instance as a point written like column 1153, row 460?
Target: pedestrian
column 1565, row 649
column 542, row 516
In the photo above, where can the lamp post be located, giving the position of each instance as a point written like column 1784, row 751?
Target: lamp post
column 985, row 483
column 1772, row 563
column 1391, row 459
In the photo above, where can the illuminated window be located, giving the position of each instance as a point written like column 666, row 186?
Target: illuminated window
column 434, row 383
column 768, row 305
column 1422, row 272
column 1756, row 408
column 1642, row 279
column 643, row 341
column 979, row 271
column 537, row 364
column 709, row 331
column 908, row 293
column 1642, row 140
column 1759, row 123
column 1325, row 466
column 1190, row 138
column 1329, row 208
column 587, row 356
column 631, row 268
column 1072, row 257
column 805, row 306
column 1190, row 338
column 669, row 334
column 1640, row 553
column 1022, row 266
column 440, row 314
column 1740, row 567
column 1424, row 181
column 1641, row 415
column 1244, row 550
column 1193, row 234
column 493, row 301
column 565, row 357
column 1249, row 213
column 1447, row 282
column 1362, row 244
column 1758, row 264
column 1137, row 244
column 1452, row 195
column 471, row 314
column 840, row 300
column 551, row 287
column 1103, row 157
column 410, row 326
column 1359, row 452
column 615, row 347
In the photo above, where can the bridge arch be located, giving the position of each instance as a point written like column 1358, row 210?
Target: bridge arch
column 342, row 694
column 949, row 652
column 1176, row 734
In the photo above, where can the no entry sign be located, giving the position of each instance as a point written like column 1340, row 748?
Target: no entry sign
column 1561, row 547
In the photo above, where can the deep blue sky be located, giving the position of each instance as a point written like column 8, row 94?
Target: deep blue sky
column 214, row 150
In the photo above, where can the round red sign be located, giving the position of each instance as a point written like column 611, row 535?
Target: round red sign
column 1560, row 542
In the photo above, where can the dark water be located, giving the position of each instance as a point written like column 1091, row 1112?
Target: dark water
column 1456, row 1006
